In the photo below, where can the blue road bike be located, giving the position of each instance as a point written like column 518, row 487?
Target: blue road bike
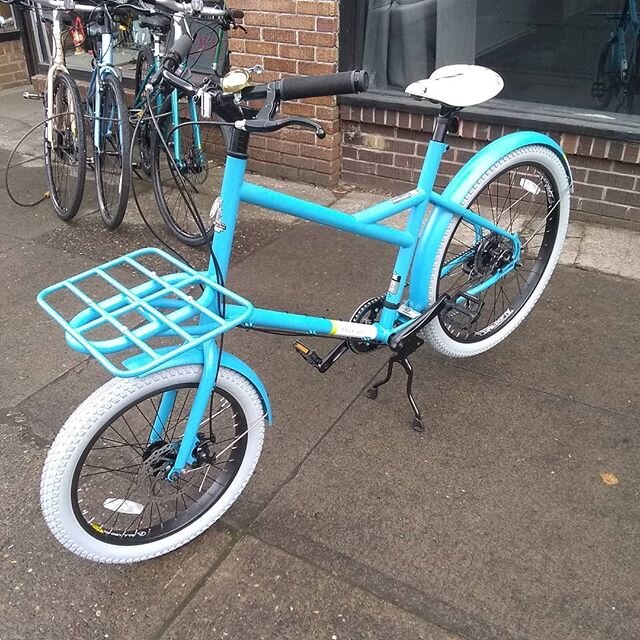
column 159, row 453
column 108, row 113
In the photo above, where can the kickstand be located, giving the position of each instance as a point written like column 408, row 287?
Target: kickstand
column 402, row 359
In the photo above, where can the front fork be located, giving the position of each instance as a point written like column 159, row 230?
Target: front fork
column 201, row 400
column 175, row 122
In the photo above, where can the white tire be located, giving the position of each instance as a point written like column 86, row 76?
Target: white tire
column 99, row 410
column 437, row 335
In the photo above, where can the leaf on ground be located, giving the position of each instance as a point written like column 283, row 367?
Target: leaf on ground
column 609, row 479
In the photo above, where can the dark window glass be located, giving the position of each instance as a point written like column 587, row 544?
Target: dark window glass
column 577, row 53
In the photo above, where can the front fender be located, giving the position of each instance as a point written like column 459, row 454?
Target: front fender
column 461, row 183
column 228, row 360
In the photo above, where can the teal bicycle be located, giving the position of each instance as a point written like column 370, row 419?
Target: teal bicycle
column 618, row 73
column 194, row 152
column 158, row 454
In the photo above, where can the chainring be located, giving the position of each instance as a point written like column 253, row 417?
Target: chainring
column 367, row 313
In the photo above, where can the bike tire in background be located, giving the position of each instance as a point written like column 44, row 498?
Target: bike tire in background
column 111, row 162
column 66, row 155
column 199, row 172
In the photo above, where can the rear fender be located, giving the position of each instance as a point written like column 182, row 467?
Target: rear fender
column 457, row 189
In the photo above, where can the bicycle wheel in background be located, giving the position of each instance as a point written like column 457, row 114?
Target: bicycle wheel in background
column 633, row 86
column 144, row 63
column 196, row 169
column 111, row 160
column 104, row 492
column 607, row 76
column 526, row 192
column 65, row 155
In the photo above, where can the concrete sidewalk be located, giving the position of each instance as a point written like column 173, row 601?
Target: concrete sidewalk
column 494, row 524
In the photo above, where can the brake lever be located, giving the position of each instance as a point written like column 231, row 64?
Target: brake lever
column 268, row 126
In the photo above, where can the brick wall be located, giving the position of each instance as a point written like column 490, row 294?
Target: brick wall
column 13, row 67
column 293, row 37
column 383, row 149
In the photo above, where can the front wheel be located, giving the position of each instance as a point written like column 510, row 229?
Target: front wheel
column 607, row 76
column 527, row 194
column 104, row 491
column 111, row 156
column 187, row 164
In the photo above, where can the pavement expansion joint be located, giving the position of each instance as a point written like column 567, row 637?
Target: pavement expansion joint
column 430, row 610
column 236, row 537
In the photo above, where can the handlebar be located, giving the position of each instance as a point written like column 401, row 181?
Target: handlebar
column 67, row 5
column 333, row 84
column 346, row 82
column 179, row 52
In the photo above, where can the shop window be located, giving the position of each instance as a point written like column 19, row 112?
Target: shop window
column 574, row 53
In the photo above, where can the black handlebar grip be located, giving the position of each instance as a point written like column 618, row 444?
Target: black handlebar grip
column 330, row 85
column 179, row 52
column 237, row 14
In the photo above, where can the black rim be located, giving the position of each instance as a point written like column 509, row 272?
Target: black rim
column 522, row 200
column 118, row 465
column 109, row 160
column 198, row 173
column 604, row 76
column 64, row 153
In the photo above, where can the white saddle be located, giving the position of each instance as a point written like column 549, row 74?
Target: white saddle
column 458, row 85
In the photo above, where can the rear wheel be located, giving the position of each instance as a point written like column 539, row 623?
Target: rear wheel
column 65, row 155
column 186, row 171
column 111, row 160
column 525, row 193
column 607, row 76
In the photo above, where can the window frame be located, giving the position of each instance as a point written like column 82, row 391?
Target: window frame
column 536, row 115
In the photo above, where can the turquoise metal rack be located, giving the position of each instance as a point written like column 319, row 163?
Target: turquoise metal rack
column 158, row 308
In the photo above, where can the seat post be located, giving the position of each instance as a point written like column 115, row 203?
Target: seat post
column 446, row 122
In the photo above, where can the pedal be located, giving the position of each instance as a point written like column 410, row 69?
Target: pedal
column 32, row 95
column 462, row 315
column 308, row 354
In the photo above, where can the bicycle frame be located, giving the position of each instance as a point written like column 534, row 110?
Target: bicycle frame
column 417, row 254
column 366, row 223
column 628, row 20
column 104, row 67
column 56, row 66
column 178, row 21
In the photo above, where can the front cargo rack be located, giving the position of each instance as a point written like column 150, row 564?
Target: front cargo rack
column 125, row 309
